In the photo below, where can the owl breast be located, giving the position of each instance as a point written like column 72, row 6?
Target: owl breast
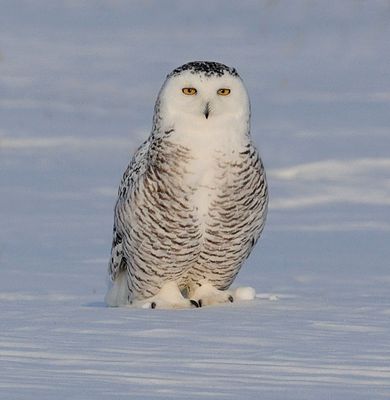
column 230, row 205
column 202, row 179
column 193, row 216
column 228, row 194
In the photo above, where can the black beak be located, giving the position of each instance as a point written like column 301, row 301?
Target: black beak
column 207, row 110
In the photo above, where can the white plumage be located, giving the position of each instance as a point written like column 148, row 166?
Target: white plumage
column 193, row 200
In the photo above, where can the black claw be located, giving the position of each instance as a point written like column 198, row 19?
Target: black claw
column 200, row 302
column 231, row 299
column 194, row 303
column 153, row 305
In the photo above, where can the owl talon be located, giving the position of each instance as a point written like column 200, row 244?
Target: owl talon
column 208, row 295
column 168, row 297
column 195, row 303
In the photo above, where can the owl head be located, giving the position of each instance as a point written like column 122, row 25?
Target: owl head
column 201, row 95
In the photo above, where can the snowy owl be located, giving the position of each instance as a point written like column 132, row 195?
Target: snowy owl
column 193, row 201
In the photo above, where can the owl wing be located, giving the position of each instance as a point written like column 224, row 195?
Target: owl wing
column 261, row 190
column 254, row 183
column 129, row 181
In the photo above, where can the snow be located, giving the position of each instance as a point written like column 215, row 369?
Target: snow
column 315, row 340
column 244, row 293
column 77, row 84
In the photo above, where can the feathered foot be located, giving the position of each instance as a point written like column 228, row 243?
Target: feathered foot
column 207, row 295
column 169, row 296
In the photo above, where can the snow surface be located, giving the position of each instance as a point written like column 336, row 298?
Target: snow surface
column 77, row 85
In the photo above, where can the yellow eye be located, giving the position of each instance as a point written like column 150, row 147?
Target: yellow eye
column 189, row 91
column 223, row 91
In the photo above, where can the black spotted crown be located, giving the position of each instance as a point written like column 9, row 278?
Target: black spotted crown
column 208, row 68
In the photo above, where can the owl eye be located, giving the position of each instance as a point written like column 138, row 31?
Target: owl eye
column 223, row 91
column 190, row 91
